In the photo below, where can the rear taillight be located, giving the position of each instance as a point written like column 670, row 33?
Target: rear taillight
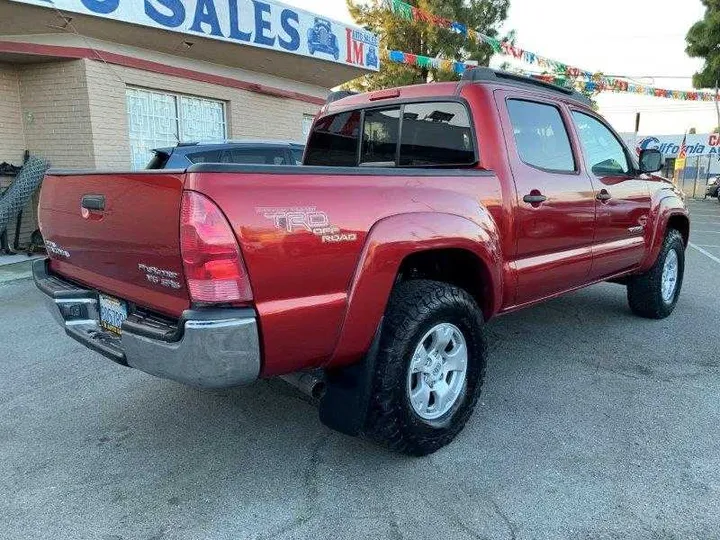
column 214, row 268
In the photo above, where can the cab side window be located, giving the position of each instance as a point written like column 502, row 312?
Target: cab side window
column 380, row 137
column 436, row 134
column 334, row 141
column 423, row 134
column 540, row 135
column 604, row 154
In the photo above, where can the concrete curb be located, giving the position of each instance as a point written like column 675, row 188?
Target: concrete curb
column 15, row 271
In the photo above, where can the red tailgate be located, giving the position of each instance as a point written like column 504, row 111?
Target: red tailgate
column 118, row 233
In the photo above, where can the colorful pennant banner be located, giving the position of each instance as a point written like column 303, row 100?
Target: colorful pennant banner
column 426, row 62
column 562, row 72
column 617, row 85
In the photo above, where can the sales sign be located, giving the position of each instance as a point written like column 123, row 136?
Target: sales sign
column 266, row 24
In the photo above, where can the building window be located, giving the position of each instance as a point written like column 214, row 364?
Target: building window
column 161, row 119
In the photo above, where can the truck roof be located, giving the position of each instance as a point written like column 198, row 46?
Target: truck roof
column 481, row 75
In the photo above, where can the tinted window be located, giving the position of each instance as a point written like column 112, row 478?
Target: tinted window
column 334, row 141
column 436, row 134
column 541, row 138
column 603, row 152
column 256, row 156
column 210, row 156
column 380, row 137
column 297, row 154
column 158, row 161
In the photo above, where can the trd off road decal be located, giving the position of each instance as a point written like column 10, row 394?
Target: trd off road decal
column 306, row 218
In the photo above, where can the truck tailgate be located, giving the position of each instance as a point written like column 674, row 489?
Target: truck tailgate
column 118, row 233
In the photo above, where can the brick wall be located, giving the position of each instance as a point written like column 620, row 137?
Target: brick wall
column 12, row 142
column 249, row 114
column 56, row 112
column 12, row 138
column 108, row 115
column 52, row 121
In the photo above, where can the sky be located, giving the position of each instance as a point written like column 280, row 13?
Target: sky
column 634, row 38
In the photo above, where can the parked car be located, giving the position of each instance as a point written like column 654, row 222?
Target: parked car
column 322, row 39
column 251, row 151
column 367, row 275
column 712, row 187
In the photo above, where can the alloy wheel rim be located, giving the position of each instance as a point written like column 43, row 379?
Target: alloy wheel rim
column 670, row 276
column 437, row 372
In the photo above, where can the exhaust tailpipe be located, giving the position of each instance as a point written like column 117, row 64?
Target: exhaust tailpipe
column 308, row 383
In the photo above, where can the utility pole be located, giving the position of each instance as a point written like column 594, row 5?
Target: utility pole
column 717, row 105
column 717, row 128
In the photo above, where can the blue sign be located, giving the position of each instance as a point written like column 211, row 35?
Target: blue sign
column 669, row 145
column 322, row 39
column 258, row 23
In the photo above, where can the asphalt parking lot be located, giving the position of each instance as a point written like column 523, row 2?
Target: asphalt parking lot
column 593, row 424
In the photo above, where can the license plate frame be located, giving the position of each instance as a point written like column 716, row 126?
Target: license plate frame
column 113, row 313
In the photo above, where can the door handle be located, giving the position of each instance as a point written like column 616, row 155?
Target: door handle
column 93, row 202
column 534, row 198
column 603, row 196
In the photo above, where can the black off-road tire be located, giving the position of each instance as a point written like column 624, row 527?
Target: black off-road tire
column 644, row 291
column 415, row 307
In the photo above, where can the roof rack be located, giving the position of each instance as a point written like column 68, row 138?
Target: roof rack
column 486, row 74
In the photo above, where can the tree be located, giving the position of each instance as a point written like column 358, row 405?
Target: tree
column 703, row 41
column 692, row 131
column 425, row 38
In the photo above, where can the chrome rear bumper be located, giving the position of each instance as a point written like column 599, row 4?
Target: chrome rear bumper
column 214, row 348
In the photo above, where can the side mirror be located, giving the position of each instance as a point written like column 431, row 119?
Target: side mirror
column 651, row 161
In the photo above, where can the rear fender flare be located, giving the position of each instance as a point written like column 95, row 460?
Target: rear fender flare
column 388, row 243
column 669, row 206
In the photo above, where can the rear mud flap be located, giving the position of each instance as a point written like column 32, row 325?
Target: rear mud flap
column 344, row 405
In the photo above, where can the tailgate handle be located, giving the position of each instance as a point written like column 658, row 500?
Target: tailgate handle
column 93, row 202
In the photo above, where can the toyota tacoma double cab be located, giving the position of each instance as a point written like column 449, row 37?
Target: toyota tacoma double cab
column 367, row 274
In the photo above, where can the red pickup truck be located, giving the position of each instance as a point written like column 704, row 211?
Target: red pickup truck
column 420, row 213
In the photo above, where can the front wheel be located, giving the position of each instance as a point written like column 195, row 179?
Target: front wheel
column 653, row 295
column 429, row 369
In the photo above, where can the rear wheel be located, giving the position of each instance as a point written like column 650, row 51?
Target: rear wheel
column 653, row 295
column 429, row 369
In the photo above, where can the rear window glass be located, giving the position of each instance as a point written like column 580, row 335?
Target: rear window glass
column 297, row 154
column 540, row 135
column 432, row 134
column 158, row 161
column 436, row 134
column 209, row 156
column 255, row 156
column 380, row 137
column 334, row 141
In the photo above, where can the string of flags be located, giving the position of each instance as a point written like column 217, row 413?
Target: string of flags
column 426, row 62
column 561, row 72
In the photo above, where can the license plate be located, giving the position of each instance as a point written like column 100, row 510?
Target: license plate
column 113, row 313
